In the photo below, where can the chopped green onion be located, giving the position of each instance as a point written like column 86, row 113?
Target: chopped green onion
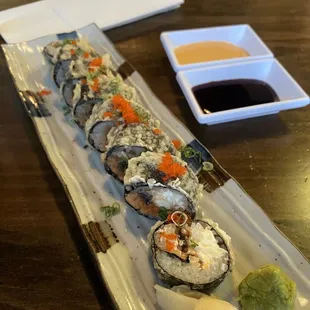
column 66, row 41
column 189, row 152
column 207, row 166
column 193, row 244
column 79, row 52
column 163, row 213
column 110, row 211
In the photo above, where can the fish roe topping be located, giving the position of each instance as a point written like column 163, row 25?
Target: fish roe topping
column 128, row 113
column 95, row 86
column 171, row 241
column 96, row 62
column 44, row 92
column 86, row 55
column 170, row 168
column 156, row 131
column 107, row 114
column 177, row 144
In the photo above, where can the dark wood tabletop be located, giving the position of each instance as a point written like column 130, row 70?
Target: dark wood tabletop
column 44, row 259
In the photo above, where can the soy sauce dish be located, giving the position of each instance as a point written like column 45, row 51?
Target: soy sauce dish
column 228, row 73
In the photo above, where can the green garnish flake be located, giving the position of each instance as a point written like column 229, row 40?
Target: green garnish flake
column 193, row 244
column 110, row 211
column 189, row 152
column 207, row 166
column 79, row 52
column 143, row 115
column 92, row 75
column 163, row 213
column 66, row 41
column 114, row 87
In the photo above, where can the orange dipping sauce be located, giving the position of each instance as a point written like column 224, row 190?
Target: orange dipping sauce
column 208, row 51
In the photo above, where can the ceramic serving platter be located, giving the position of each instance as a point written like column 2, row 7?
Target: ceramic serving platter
column 119, row 244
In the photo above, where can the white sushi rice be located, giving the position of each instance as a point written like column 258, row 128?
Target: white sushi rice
column 76, row 94
column 211, row 261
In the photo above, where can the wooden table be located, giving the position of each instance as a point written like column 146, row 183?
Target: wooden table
column 44, row 261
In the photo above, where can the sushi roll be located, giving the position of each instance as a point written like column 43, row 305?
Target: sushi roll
column 196, row 253
column 80, row 66
column 126, row 142
column 80, row 82
column 60, row 71
column 65, row 49
column 159, row 184
column 72, row 90
column 117, row 110
column 98, row 91
column 68, row 56
column 52, row 50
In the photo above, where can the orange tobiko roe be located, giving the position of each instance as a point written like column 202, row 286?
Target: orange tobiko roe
column 44, row 92
column 171, row 169
column 177, row 143
column 128, row 113
column 107, row 114
column 169, row 240
column 95, row 86
column 170, row 246
column 96, row 62
column 73, row 42
column 72, row 52
column 171, row 237
column 156, row 131
column 86, row 55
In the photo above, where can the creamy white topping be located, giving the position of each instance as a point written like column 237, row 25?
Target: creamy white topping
column 76, row 94
column 136, row 179
column 207, row 249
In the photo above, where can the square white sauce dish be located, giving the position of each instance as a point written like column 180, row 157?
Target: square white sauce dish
column 241, row 37
column 267, row 75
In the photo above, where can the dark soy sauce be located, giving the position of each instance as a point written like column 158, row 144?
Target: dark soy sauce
column 233, row 94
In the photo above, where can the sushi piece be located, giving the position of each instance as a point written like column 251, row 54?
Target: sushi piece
column 126, row 142
column 159, row 184
column 52, row 50
column 60, row 71
column 117, row 110
column 99, row 89
column 65, row 49
column 196, row 253
column 72, row 90
column 80, row 66
column 77, row 86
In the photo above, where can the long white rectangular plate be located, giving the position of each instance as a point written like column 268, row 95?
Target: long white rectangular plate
column 119, row 244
